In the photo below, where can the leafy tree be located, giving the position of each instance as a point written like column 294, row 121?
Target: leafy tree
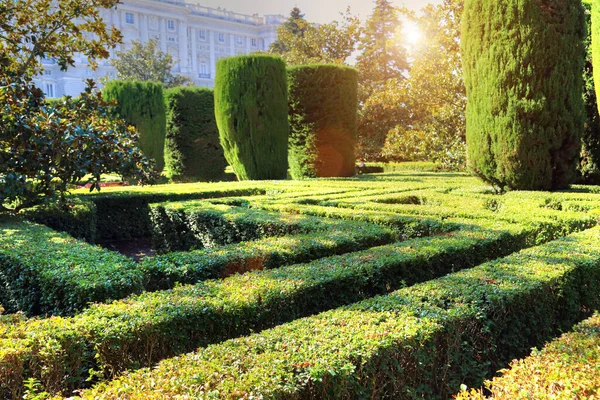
column 293, row 26
column 331, row 43
column 146, row 62
column 434, row 93
column 45, row 148
column 383, row 58
column 525, row 113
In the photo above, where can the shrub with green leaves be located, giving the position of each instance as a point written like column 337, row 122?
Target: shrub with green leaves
column 144, row 329
column 323, row 101
column 523, row 63
column 565, row 369
column 595, row 32
column 192, row 149
column 45, row 272
column 422, row 341
column 252, row 116
column 142, row 105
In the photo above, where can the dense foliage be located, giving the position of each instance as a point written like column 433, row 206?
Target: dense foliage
column 595, row 32
column 589, row 166
column 524, row 123
column 146, row 62
column 142, row 105
column 301, row 42
column 323, row 102
column 251, row 112
column 192, row 148
column 45, row 148
column 565, row 369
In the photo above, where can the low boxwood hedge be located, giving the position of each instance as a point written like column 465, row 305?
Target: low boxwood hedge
column 46, row 272
column 567, row 368
column 165, row 271
column 418, row 342
column 141, row 330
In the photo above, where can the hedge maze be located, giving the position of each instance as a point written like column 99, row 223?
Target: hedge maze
column 404, row 285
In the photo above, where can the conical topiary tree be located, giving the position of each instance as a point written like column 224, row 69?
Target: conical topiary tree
column 523, row 63
column 252, row 115
column 142, row 105
column 323, row 103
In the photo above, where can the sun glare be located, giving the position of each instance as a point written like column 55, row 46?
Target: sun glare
column 411, row 33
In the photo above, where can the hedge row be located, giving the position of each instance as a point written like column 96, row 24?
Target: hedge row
column 142, row 330
column 165, row 271
column 419, row 342
column 565, row 369
column 124, row 214
column 200, row 224
column 45, row 272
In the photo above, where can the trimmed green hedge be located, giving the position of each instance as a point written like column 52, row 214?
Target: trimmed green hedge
column 142, row 330
column 567, row 368
column 199, row 224
column 142, row 105
column 525, row 112
column 323, row 102
column 419, row 342
column 79, row 219
column 192, row 149
column 125, row 214
column 252, row 115
column 45, row 272
column 165, row 271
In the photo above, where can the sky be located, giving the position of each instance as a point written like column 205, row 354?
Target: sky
column 320, row 11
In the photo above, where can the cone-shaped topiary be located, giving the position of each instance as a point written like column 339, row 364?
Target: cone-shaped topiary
column 142, row 105
column 192, row 149
column 523, row 63
column 323, row 103
column 252, row 115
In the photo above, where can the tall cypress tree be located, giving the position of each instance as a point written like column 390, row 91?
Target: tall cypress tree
column 589, row 167
column 523, row 63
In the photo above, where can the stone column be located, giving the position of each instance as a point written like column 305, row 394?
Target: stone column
column 116, row 20
column 144, row 28
column 194, row 34
column 163, row 34
column 232, row 43
column 183, row 47
column 213, row 58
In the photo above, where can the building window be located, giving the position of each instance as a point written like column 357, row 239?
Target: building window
column 204, row 70
column 170, row 25
column 202, row 34
column 172, row 39
column 222, row 37
column 47, row 72
column 89, row 72
column 49, row 89
column 240, row 40
column 254, row 42
column 129, row 18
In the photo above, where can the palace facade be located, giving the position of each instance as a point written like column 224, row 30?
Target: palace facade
column 194, row 35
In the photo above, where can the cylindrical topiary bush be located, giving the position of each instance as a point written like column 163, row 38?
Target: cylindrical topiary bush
column 589, row 166
column 192, row 149
column 142, row 105
column 323, row 103
column 595, row 10
column 252, row 115
column 523, row 63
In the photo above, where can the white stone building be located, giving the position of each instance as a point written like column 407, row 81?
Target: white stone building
column 194, row 35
